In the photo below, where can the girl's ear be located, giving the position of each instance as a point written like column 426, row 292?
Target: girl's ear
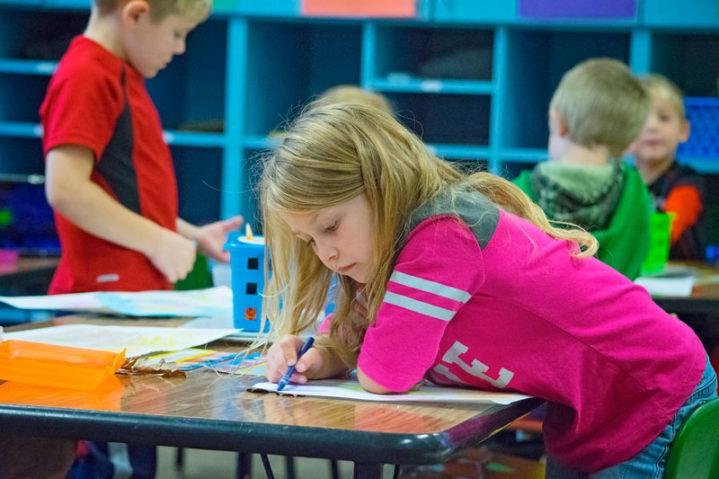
column 134, row 10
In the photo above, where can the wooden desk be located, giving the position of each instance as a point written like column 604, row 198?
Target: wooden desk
column 209, row 410
column 705, row 295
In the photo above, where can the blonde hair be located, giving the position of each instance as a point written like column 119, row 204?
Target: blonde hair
column 602, row 103
column 668, row 90
column 355, row 94
column 331, row 154
column 161, row 9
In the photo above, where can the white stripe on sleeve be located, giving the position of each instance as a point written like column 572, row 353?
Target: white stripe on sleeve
column 433, row 287
column 418, row 306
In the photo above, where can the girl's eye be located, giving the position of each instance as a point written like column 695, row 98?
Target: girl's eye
column 332, row 227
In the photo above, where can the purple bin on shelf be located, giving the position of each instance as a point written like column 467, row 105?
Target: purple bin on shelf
column 577, row 8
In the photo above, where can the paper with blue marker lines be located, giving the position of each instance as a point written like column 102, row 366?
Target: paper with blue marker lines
column 215, row 301
column 349, row 389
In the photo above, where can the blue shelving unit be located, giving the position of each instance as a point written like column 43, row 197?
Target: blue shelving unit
column 473, row 79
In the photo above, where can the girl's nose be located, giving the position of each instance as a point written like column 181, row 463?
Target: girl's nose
column 327, row 253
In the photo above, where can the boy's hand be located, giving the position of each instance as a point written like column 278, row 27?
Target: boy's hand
column 283, row 354
column 173, row 255
column 211, row 238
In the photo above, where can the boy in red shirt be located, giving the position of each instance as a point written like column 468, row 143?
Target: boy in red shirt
column 110, row 176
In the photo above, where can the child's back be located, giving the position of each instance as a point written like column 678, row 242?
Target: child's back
column 596, row 112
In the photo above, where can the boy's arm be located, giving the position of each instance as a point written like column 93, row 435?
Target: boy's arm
column 210, row 238
column 71, row 192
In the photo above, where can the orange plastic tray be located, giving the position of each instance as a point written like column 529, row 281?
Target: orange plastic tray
column 57, row 366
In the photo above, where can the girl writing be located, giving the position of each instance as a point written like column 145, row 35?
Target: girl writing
column 461, row 279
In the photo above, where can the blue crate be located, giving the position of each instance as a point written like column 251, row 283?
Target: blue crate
column 247, row 257
column 703, row 114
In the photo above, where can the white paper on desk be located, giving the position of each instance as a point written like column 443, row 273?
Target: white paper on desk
column 346, row 389
column 69, row 302
column 137, row 340
column 200, row 302
column 668, row 285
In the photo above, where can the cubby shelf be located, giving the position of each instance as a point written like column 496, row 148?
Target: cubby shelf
column 473, row 79
column 27, row 67
column 20, row 129
column 431, row 85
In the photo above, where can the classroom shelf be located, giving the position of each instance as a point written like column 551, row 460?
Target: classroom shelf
column 523, row 155
column 471, row 11
column 27, row 67
column 451, row 119
column 259, row 142
column 314, row 57
column 402, row 84
column 185, row 138
column 190, row 92
column 673, row 14
column 418, row 52
column 199, row 182
column 473, row 79
column 24, row 102
column 20, row 129
column 683, row 57
column 459, row 152
column 702, row 165
column 21, row 155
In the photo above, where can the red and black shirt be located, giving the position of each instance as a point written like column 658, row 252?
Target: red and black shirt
column 98, row 101
column 680, row 190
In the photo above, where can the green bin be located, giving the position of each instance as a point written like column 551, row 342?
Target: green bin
column 659, row 243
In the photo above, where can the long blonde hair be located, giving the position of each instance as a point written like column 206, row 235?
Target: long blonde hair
column 331, row 154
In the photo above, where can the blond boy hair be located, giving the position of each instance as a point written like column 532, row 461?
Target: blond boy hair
column 357, row 95
column 161, row 9
column 602, row 104
column 668, row 90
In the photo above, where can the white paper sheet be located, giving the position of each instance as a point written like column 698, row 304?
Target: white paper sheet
column 69, row 302
column 345, row 389
column 200, row 302
column 673, row 282
column 137, row 340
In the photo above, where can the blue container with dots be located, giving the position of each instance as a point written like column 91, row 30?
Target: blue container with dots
column 247, row 257
column 703, row 143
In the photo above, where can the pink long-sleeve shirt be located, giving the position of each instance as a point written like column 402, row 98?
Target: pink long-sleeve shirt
column 503, row 306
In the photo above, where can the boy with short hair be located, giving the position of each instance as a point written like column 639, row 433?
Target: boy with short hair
column 110, row 176
column 596, row 112
column 675, row 188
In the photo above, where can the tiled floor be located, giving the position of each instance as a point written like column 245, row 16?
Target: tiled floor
column 201, row 464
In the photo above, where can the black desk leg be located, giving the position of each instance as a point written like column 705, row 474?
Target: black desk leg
column 290, row 467
column 244, row 465
column 334, row 469
column 368, row 470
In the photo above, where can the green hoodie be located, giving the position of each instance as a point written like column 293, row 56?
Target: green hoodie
column 624, row 242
